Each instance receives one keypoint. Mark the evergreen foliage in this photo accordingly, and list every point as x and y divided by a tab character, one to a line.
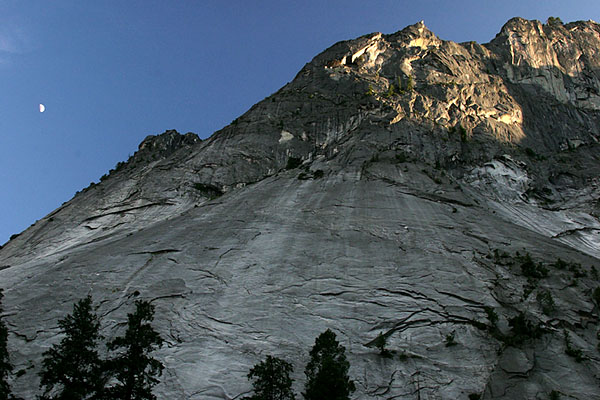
492	316
293	162
571	350
458	128
327	371
531	269
271	380
410	84
72	368
523	329
380	342
133	368
5	365
451	339
554	21
463	133
596	296
391	91
546	301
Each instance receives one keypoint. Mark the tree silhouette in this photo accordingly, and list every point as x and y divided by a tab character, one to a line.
72	368
327	371
5	365
134	369
380	342
271	380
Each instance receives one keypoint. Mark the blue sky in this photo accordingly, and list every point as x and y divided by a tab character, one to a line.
112	72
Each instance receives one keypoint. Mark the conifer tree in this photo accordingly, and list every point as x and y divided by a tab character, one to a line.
72	369
5	365
327	371
134	369
380	342
271	380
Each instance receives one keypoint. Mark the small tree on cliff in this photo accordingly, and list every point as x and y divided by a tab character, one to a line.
327	371
271	380
72	368
134	368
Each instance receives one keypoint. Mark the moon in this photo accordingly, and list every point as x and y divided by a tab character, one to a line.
42	108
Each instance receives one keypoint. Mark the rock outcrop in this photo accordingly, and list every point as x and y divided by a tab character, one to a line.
400	184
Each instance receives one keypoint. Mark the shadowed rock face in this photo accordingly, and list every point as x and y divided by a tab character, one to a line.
425	166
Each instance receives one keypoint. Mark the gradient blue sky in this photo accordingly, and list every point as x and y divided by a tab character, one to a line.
112	72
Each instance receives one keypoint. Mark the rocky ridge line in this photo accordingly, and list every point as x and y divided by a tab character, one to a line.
393	186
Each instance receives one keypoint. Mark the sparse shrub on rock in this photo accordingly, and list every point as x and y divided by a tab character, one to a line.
211	191
380	342
596	296
531	269
293	162
491	315
450	339
546	301
522	329
571	350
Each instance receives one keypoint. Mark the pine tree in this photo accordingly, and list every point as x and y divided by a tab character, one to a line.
380	342
134	369
5	365
272	380
327	371
72	368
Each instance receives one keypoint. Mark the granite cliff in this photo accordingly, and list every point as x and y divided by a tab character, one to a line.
400	184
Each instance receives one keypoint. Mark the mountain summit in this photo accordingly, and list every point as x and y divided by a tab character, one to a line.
443	194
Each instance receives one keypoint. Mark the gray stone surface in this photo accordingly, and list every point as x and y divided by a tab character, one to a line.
244	258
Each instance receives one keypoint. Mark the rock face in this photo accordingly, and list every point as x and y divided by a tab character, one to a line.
396	185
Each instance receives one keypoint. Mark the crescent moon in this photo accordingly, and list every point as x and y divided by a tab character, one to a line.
42	108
